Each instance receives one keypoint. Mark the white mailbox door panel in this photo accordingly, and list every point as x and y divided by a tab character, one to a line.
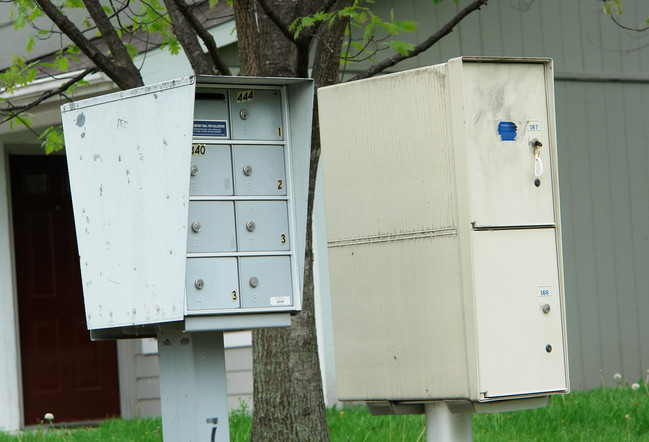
259	170
265	281
211	172
211	227
212	283
505	111
256	114
262	226
520	346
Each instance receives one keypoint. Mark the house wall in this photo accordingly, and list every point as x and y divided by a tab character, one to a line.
10	391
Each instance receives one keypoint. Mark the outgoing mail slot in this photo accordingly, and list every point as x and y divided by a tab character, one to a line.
256	114
211	171
212	283
259	170
265	281
211	119
211	227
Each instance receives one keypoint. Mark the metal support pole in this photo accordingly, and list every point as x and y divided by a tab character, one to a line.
444	426
193	389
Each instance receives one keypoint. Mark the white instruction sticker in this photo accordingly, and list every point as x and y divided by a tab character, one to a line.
280	300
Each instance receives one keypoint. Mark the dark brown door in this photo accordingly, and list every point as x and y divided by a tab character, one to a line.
63	372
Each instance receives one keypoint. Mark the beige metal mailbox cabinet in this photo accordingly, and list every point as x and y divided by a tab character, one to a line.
190	203
443	225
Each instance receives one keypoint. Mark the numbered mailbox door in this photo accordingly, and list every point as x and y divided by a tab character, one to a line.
211	227
508	144
266	281
211	170
262	226
256	114
212	283
211	119
259	170
518	310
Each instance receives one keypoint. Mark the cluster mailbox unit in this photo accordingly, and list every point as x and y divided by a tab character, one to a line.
442	202
190	202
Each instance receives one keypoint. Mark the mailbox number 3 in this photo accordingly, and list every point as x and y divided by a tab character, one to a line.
283	238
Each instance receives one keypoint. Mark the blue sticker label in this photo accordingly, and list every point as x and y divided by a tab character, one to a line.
507	130
211	128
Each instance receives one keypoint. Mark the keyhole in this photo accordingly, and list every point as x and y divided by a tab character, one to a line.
537	182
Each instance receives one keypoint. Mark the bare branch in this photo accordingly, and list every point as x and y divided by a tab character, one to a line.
628	28
278	22
207	38
131	76
102	61
442	32
13	111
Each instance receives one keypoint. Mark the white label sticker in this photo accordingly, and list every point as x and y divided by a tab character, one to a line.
544	291
534	126
280	300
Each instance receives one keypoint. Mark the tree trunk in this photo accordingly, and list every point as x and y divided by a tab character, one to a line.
288	396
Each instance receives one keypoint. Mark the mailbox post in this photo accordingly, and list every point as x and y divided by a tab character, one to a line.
443	224
190	202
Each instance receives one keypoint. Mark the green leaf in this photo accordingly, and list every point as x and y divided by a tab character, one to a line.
401	46
29	46
132	50
52	139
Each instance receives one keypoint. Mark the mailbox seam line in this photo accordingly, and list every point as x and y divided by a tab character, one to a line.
452	231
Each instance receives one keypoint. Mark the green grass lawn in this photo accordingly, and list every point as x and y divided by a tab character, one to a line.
599	415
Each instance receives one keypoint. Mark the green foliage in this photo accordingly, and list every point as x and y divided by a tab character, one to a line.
609	5
52	139
19	74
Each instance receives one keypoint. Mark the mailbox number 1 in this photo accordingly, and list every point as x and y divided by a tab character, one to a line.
198	149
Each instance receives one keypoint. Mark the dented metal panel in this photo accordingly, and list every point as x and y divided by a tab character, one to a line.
123	150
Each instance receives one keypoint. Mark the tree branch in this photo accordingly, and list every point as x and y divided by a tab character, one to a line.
13	111
207	38
131	76
442	32
270	13
102	61
188	39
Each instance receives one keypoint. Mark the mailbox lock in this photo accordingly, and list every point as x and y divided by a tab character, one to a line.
548	348
545	308
243	114
194	170
196	226
247	170
199	283
537	182
254	282
250	226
